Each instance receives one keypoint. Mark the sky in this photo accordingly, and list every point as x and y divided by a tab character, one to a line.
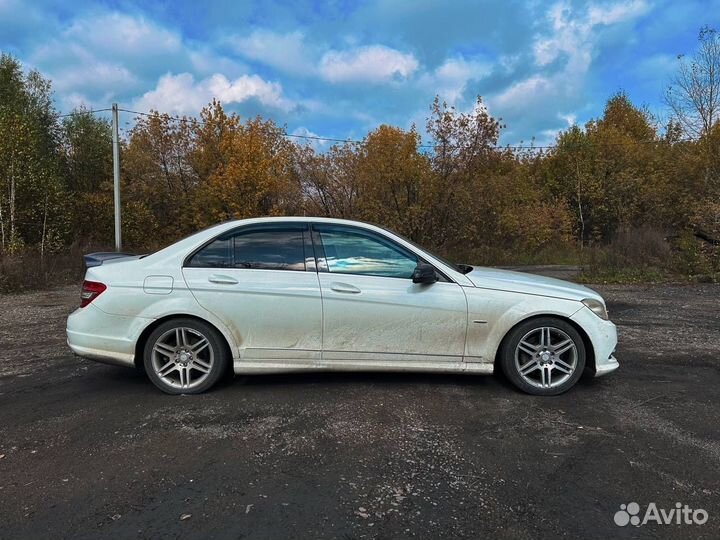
340	69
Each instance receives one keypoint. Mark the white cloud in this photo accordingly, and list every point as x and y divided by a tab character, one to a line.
286	52
535	88
75	100
86	72
616	13
563	57
451	78
131	36
316	144
100	57
373	64
181	94
533	68
572	36
570	119
103	56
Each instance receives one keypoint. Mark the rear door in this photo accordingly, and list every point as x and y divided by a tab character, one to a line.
373	312
261	281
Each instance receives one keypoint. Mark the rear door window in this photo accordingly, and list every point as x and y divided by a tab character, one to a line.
262	249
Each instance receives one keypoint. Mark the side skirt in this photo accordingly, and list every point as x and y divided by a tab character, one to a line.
247	367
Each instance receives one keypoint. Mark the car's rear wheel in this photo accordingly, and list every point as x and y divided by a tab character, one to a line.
543	356
185	356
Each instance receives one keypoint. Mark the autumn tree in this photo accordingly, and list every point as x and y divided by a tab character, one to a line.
85	151
329	180
32	209
395	182
602	172
160	174
248	167
85	154
467	186
623	140
529	218
450	187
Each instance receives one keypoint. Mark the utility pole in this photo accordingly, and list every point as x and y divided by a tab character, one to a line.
116	175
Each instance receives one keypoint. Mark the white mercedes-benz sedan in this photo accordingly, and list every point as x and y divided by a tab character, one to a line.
272	295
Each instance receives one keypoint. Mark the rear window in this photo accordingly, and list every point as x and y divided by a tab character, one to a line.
275	249
217	254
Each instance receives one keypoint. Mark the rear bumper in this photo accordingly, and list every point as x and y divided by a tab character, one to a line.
106	357
94	334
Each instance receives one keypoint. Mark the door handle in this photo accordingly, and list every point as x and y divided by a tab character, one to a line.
219	278
344	288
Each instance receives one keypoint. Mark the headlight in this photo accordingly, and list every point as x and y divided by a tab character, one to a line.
597	307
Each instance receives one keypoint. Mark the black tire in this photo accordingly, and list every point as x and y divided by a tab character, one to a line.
214	354
531	328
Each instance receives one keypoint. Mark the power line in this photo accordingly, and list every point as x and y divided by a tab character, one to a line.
422	145
309	137
360	141
200	122
82	113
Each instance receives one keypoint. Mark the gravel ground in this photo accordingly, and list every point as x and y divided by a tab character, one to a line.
88	450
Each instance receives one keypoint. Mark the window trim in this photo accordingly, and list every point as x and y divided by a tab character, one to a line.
301	226
322	265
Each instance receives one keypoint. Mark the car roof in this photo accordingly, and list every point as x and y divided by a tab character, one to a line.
270	219
181	248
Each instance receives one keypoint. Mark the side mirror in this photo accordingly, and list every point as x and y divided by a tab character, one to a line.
424	273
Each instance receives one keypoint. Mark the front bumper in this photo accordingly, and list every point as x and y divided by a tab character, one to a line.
610	365
603	336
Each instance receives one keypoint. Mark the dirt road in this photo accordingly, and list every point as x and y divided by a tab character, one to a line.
89	451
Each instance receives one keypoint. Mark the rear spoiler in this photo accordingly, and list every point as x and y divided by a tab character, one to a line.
96	259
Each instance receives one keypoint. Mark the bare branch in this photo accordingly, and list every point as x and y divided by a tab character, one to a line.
694	92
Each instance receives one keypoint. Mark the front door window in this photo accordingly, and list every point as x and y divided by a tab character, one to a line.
349	252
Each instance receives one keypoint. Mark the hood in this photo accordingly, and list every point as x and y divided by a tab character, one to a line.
507	280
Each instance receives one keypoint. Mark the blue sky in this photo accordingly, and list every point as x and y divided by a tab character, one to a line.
340	69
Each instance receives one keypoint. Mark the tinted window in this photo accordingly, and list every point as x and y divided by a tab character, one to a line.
217	254
357	253
270	250
274	249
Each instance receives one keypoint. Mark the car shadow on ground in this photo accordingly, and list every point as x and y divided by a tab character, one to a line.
138	380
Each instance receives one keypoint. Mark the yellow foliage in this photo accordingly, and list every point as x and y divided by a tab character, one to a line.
537	225
254	176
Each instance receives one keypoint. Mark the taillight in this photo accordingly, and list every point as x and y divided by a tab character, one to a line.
90	291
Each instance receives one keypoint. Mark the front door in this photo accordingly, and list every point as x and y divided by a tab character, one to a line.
372	309
261	281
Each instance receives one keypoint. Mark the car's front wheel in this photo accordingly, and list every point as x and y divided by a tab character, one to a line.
543	356
185	356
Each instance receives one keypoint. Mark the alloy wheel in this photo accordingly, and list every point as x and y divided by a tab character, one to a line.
546	357
182	358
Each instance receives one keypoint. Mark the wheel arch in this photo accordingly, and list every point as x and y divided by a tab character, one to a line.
589	349
142	339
